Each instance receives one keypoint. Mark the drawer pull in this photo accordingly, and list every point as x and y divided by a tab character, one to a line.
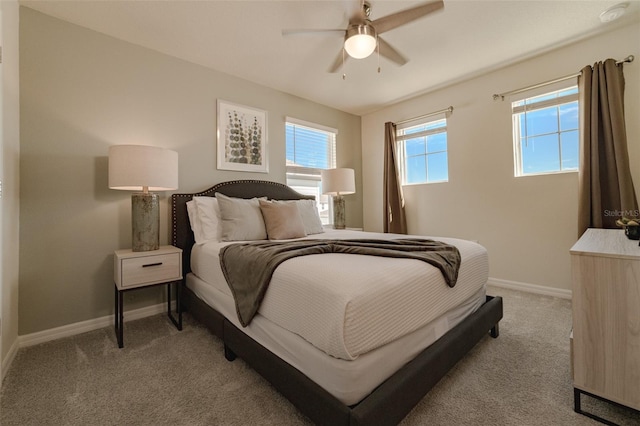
151	264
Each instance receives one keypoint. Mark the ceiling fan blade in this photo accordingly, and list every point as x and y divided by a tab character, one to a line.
390	53
311	31
338	62
395	20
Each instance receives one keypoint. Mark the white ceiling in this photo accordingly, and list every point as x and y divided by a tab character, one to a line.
243	38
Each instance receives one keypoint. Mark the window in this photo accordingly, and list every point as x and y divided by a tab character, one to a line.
310	148
545	133
422	149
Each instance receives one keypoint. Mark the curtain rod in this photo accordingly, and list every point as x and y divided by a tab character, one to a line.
431	114
501	96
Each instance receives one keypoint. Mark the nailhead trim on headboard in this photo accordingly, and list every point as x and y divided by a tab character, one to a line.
181	234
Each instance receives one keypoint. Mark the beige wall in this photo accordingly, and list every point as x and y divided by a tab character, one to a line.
10	157
82	92
527	224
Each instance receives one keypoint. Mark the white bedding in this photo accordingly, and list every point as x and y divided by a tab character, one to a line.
348	305
349	381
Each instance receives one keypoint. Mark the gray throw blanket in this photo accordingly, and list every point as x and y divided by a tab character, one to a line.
248	267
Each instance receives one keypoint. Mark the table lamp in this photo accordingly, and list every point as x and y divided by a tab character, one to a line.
338	182
143	168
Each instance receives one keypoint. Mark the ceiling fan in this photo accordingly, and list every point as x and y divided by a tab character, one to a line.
362	35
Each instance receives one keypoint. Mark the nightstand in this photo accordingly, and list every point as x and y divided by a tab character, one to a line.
136	269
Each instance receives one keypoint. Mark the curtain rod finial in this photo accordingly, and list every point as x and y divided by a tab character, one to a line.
496	97
628	59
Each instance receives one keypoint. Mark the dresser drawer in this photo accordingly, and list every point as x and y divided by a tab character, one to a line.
146	270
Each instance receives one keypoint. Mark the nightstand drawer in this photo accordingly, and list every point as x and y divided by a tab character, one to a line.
138	269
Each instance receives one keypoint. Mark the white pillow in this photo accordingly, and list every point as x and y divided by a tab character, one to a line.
310	216
192	211
209	219
241	219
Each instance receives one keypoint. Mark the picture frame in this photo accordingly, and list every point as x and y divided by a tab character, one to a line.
242	138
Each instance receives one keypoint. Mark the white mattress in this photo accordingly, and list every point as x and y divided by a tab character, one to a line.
348	305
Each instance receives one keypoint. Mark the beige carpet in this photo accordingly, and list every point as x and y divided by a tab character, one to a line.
166	377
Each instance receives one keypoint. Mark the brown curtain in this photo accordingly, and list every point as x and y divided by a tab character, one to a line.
606	190
394	217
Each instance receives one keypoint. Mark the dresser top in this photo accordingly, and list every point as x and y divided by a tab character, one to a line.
607	243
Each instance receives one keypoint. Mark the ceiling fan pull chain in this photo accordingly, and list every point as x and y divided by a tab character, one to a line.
344	74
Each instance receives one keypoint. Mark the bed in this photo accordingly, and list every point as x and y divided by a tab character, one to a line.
348	383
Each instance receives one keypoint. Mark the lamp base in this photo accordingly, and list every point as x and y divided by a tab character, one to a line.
145	221
338	212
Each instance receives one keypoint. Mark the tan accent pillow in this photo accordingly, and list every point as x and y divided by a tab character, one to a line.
282	220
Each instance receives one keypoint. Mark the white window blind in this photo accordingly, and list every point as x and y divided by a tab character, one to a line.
310	148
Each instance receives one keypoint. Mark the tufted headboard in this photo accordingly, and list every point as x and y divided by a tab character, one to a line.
181	233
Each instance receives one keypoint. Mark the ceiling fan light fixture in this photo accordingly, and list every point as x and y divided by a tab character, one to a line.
360	41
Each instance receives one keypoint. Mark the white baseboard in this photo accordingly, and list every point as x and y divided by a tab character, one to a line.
530	288
6	362
89	325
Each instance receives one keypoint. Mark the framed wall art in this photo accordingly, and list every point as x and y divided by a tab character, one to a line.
242	138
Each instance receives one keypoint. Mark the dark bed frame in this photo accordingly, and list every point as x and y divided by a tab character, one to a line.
392	400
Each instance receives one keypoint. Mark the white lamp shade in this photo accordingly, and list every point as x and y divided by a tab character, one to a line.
134	167
338	181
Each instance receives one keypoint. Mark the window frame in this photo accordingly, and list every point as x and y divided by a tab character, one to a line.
402	137
524	108
301	177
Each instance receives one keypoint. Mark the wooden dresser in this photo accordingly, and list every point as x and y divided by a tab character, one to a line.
605	268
